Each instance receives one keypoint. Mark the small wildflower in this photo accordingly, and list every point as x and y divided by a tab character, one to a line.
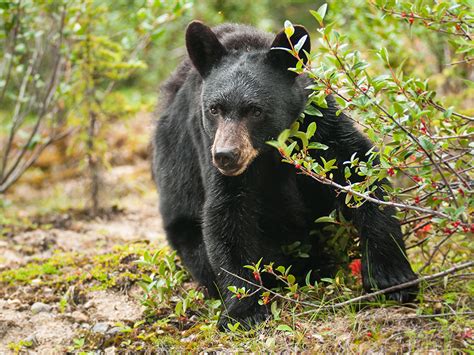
356	267
266	299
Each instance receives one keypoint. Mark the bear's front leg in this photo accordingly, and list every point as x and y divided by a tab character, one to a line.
384	261
231	236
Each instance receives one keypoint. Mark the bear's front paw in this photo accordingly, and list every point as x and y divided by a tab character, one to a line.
383	277
247	318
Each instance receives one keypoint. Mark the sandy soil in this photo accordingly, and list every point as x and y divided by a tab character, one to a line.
137	219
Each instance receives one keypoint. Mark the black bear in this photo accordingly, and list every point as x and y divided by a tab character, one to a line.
226	198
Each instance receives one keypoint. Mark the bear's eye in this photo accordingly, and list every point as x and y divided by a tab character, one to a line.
214	110
256	112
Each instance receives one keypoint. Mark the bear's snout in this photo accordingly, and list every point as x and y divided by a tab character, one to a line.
227	158
232	151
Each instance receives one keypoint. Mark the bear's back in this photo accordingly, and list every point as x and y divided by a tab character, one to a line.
234	37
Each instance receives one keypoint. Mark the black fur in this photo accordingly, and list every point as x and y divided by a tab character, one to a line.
218	222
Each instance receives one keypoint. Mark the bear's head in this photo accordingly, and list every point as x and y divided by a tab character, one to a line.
248	95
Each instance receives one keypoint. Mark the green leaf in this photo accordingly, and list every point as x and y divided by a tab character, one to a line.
319	15
317	145
300	43
322	10
289	29
283	137
288	150
304	139
310	130
325	219
313	111
284	328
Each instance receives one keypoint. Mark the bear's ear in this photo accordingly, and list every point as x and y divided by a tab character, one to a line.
204	49
282	59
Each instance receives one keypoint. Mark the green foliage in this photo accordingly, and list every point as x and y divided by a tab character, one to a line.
420	139
160	284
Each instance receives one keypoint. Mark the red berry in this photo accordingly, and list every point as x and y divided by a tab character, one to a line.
417	199
411	19
297	166
390	171
256	276
456	224
363	88
369	334
238	295
417	178
404	14
447	230
472	228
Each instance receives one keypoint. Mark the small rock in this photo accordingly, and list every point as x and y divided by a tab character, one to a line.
79	317
114	330
13	304
36	282
189	338
39	307
100	328
89	304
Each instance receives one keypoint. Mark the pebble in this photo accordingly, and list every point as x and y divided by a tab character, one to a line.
36	282
89	304
110	350
13	304
189	338
39	307
79	317
114	330
100	328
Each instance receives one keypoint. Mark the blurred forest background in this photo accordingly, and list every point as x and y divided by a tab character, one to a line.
79	81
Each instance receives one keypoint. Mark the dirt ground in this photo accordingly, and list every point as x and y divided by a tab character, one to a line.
51	330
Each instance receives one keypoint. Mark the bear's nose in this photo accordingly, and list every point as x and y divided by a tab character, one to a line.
226	158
